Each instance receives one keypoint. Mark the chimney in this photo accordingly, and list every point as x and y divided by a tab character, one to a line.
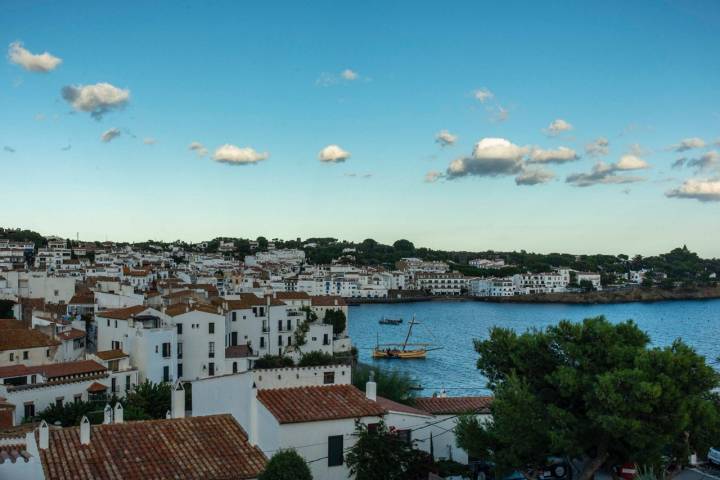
44	435
107	415
336	302
178	401
371	387
119	412
85	431
168	415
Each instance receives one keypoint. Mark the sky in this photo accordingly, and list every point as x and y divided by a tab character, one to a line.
581	127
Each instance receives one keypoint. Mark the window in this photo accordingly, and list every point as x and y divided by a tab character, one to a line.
108	322
12	357
211	349
262	342
33	379
289	340
279	340
115	323
25	355
233	338
328	378
326	339
234	367
59	402
211	328
404	435
335	450
127	383
166	374
166	350
279	325
179	350
234	316
211	369
113	385
180	370
179	328
289	325
29	410
47	353
114	365
115	345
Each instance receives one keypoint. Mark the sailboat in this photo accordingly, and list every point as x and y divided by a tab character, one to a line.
401	350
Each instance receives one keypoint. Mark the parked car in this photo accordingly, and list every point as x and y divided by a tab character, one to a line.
714	456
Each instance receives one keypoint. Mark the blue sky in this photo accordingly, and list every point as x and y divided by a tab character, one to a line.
268	76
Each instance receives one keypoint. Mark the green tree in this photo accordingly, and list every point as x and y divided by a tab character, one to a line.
316	358
586	285
300	335
381	454
392	384
151	398
273	361
592	390
286	465
337	319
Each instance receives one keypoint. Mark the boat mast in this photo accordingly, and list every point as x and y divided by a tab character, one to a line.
407	337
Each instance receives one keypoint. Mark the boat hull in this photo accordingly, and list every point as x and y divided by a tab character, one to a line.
400	354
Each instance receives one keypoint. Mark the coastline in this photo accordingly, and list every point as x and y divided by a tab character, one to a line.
603	297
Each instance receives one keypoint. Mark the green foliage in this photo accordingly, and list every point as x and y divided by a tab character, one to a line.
586	285
273	361
392	384
69	414
286	465
380	454
6	309
316	358
151	398
337	319
310	315
593	389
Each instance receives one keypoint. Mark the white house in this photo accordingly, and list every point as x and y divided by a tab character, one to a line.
200	340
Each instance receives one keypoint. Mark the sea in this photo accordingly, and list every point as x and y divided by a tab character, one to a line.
453	325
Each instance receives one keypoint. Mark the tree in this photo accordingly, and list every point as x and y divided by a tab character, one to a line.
151	398
300	335
586	286
273	361
592	390
316	358
337	319
286	465
6	309
381	454
392	384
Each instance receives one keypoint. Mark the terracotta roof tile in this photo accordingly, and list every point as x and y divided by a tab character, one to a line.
327	301
110	354
180	308
212	447
85	298
122	313
313	404
11	323
96	387
72	334
238	351
292	296
16	338
392	406
66	369
454	405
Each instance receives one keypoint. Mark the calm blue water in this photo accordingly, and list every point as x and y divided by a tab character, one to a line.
455	324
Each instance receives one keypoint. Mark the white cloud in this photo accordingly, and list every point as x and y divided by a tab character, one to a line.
198	148
706	162
43	62
96	99
432	176
349	75
534	177
109	135
149	141
491	157
631	162
688	144
445	138
607	173
559	155
698	189
333	154
238	155
598	147
483	95
557	127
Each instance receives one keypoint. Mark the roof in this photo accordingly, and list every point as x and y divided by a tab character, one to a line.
72	334
85	298
453	405
14	453
96	387
327	301
392	406
238	351
292	295
11	323
212	447
122	313
110	354
16	338
181	308
66	369
318	403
